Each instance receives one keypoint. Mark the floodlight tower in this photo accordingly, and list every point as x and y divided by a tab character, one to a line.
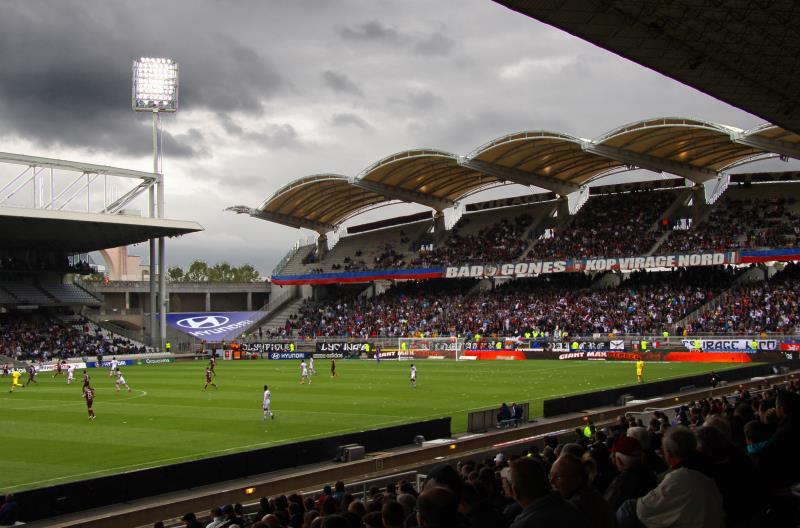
155	90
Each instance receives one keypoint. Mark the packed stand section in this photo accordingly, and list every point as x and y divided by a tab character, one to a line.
767	306
718	462
503	241
23	262
550	305
741	224
35	337
608	226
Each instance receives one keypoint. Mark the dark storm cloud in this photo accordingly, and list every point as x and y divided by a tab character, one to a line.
371	31
281	135
66	74
428	44
418	99
339	82
434	44
348	119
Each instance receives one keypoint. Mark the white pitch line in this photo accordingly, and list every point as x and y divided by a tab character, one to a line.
81	402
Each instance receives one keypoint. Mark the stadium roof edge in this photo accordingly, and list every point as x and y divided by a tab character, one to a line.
742	52
82	232
90	168
695	149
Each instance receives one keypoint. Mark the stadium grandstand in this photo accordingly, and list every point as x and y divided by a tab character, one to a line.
44	293
695	274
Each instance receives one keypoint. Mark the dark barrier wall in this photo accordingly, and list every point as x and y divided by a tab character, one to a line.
580	402
82	495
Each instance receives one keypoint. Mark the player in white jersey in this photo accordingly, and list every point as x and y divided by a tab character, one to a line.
304	373
267	410
120	380
70	373
114	365
413	376
311	366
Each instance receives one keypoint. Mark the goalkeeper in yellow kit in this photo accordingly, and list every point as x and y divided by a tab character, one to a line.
15	375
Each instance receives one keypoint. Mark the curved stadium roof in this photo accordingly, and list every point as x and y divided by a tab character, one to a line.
690	148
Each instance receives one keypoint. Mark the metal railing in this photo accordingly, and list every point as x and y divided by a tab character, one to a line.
714	189
275	303
303	242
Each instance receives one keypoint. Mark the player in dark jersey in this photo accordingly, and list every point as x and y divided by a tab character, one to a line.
333	368
6	369
31	375
59	367
85	379
88	395
210	379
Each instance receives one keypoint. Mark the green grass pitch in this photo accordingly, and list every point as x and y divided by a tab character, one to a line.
167	418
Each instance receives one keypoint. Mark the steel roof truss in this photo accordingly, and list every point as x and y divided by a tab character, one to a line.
404	195
652	163
521	177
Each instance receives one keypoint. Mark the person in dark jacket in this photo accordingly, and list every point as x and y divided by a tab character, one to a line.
634	479
540	505
8	511
570	476
191	520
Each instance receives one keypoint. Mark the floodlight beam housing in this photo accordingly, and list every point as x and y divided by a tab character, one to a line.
155	85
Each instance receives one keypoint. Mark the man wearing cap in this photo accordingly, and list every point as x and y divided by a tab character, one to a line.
634	479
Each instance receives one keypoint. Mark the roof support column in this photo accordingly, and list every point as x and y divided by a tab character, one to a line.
322	246
439	231
699	204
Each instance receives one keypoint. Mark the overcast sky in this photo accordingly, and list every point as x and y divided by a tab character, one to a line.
274	90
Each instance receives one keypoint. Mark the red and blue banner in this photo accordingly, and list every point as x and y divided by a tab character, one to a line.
359	276
749	256
533	268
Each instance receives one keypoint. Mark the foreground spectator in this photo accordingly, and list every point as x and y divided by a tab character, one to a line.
8	511
437	507
686	497
570	476
634	480
540	505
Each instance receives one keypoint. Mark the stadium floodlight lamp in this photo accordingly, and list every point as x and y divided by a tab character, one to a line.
155	85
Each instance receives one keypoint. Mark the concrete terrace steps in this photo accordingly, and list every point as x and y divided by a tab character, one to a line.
279	317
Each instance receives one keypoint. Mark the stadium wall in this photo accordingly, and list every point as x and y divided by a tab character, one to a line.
579	402
85	494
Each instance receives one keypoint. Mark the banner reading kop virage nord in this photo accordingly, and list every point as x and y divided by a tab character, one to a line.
531	268
212	326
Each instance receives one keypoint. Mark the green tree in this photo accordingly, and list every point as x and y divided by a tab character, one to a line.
197	272
246	273
175	274
200	271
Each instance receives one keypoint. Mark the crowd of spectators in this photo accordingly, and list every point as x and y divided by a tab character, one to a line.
740	224
616	225
717	462
608	226
558	304
33	337
768	306
503	241
35	262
